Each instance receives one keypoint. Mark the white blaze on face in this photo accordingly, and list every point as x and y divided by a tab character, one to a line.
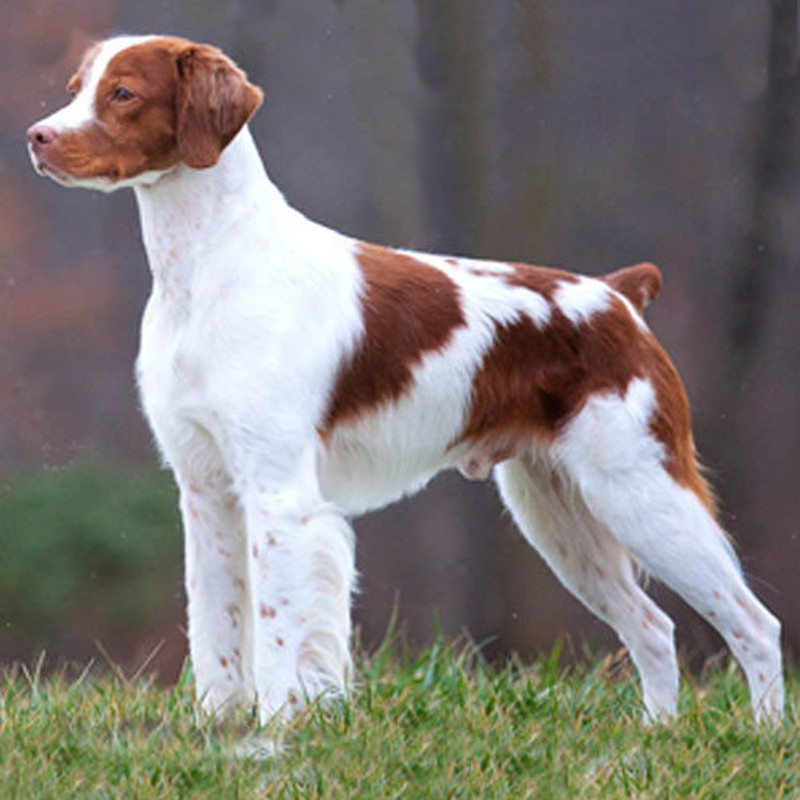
81	110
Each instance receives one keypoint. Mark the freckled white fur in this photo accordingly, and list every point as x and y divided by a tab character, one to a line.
253	310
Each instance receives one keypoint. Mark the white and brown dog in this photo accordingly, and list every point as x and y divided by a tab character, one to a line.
294	376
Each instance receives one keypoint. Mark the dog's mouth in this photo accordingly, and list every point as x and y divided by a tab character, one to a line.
59	177
46	169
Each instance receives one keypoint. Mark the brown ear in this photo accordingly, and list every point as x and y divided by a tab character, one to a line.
213	101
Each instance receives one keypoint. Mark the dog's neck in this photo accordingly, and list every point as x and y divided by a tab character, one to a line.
187	214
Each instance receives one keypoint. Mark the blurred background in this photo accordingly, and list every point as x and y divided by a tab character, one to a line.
576	134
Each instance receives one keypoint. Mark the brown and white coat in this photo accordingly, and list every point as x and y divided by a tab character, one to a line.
294	376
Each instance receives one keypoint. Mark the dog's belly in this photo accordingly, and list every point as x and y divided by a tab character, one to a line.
385	452
374	462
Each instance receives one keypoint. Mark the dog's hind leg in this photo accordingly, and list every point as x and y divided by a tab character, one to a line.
596	569
620	468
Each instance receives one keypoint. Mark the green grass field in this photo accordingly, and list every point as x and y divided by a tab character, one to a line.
440	726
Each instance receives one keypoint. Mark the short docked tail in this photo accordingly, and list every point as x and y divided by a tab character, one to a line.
640	283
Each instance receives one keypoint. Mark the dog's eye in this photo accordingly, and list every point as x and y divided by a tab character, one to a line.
122	95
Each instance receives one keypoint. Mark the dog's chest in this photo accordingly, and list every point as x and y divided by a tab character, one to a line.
174	371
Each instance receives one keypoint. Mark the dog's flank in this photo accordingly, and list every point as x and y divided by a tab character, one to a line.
293	376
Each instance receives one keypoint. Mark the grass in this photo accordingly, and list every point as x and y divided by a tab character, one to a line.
442	725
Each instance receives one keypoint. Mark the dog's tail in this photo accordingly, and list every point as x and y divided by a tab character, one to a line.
640	283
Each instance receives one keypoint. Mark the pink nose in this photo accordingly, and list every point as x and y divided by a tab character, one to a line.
41	135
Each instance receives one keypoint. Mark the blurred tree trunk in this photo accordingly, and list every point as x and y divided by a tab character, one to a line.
763	266
763	253
450	66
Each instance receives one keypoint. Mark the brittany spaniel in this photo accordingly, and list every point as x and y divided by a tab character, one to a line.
294	376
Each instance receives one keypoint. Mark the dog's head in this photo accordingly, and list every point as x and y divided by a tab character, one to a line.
140	106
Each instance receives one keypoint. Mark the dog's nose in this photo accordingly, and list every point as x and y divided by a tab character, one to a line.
41	135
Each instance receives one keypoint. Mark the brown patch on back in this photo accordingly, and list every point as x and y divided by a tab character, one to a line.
542	280
410	309
533	380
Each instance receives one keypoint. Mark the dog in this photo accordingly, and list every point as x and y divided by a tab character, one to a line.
294	377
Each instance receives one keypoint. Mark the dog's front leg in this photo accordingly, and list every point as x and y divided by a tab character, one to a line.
216	575
300	577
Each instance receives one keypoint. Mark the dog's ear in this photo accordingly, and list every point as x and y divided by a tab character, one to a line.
214	100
